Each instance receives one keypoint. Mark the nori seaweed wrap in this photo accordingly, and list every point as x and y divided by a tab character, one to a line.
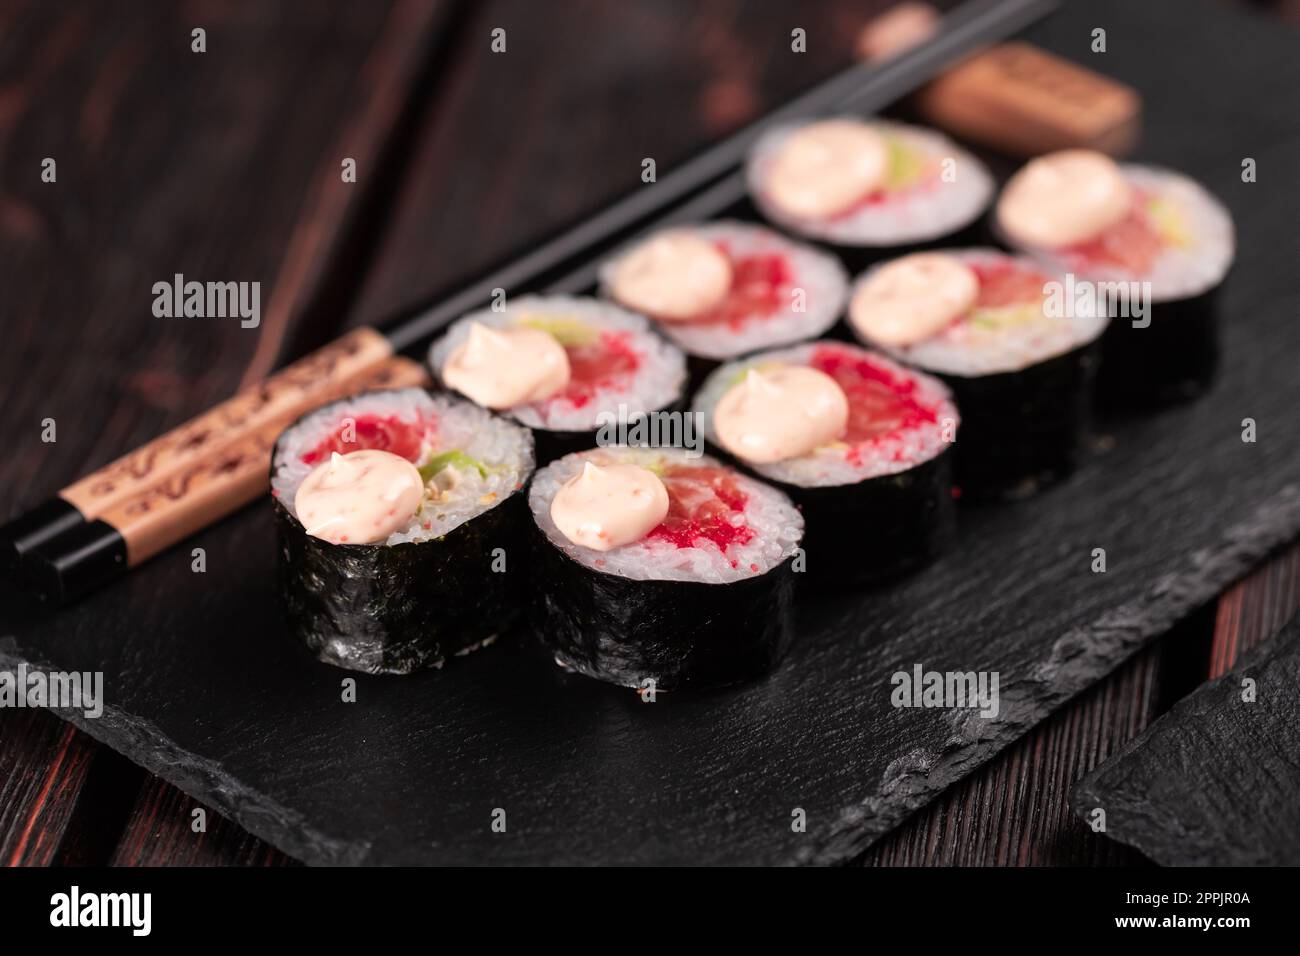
1019	360
1024	430
1154	248
449	579
704	599
1171	360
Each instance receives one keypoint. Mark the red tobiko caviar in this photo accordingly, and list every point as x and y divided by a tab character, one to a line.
1006	282
374	432
882	402
702	501
598	365
760	286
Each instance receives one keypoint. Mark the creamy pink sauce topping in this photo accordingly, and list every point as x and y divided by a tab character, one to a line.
607	506
826	168
675	277
1064	198
912	298
502	368
781	413
359	498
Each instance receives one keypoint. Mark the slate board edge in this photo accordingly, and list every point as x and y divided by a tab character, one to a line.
1092	790
204	780
1079	658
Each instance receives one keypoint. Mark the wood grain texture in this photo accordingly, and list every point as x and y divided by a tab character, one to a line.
160	832
1255	609
210	164
43	765
521	143
412	276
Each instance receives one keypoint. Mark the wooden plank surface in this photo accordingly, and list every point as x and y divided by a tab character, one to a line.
169	828
44	764
126	212
520	143
1255	610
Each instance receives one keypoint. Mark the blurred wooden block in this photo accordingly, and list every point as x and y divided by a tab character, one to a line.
1019	100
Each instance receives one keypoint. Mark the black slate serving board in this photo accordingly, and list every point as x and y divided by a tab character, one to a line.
1216	781
204	688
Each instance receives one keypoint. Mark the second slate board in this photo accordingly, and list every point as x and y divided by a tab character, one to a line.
1214	781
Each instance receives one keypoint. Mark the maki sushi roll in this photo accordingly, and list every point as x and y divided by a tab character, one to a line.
1151	244
401	525
860	443
662	566
869	185
562	366
723	289
1021	371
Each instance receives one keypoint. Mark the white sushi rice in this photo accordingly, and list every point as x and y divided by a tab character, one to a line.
968	351
820	276
834	464
777	525
657	382
919	214
456	494
1179	272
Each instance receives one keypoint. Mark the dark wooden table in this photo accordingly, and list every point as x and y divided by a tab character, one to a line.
225	164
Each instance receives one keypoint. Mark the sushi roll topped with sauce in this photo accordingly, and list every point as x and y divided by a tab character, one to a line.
968	312
870	183
663	514
558	364
437	461
826	413
996	329
662	565
1082	213
391	507
859	442
722	289
1151	243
